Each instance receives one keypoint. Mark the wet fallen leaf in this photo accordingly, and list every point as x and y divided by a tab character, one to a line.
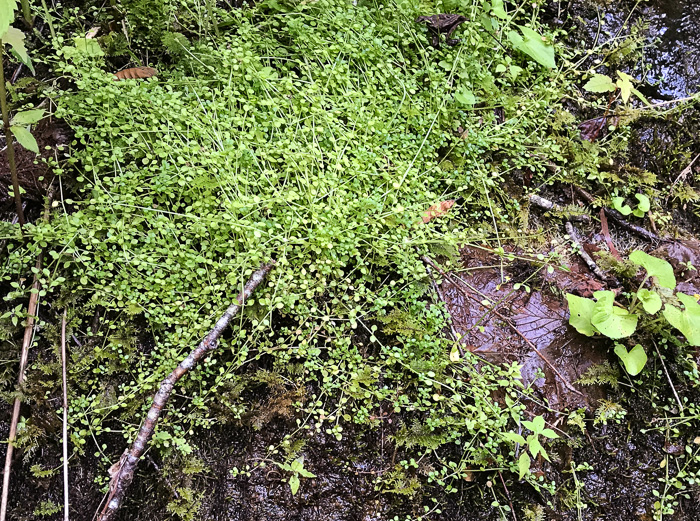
437	210
595	128
442	24
135	73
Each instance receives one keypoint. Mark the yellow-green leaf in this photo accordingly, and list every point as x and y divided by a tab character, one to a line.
25	138
599	83
27	117
7	15
15	38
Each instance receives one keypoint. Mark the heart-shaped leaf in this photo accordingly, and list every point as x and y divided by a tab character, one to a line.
634	360
655	267
686	321
580	314
619	205
612	321
651	302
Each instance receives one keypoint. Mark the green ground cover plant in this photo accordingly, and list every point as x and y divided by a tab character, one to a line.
314	134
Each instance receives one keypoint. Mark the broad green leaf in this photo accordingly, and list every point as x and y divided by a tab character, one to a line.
27	117
305	473
514	437
625	84
644	203
297	464
534	45
88	47
686	321
643	206
599	83
294	483
25	138
498	10
465	97
549	433
651	302
619	205
536	447
580	314
655	267
15	38
610	320
634	360
641	97
7	15
523	464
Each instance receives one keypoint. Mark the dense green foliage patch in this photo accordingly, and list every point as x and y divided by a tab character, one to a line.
314	134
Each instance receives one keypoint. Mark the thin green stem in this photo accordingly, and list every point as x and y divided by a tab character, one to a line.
49	19
26	12
9	138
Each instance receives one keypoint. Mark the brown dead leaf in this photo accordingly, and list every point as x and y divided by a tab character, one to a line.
593	129
437	210
135	73
606	235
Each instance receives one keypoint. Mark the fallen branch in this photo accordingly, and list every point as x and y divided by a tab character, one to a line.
621	221
587	258
122	472
24	356
551	206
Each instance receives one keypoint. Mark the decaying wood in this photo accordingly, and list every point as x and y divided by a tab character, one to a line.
621	221
122	472
573	235
135	73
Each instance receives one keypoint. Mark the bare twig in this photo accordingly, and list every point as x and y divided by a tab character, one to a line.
506	321
673	388
24	356
448	317
606	235
582	253
546	204
621	221
510	502
66	503
122	472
